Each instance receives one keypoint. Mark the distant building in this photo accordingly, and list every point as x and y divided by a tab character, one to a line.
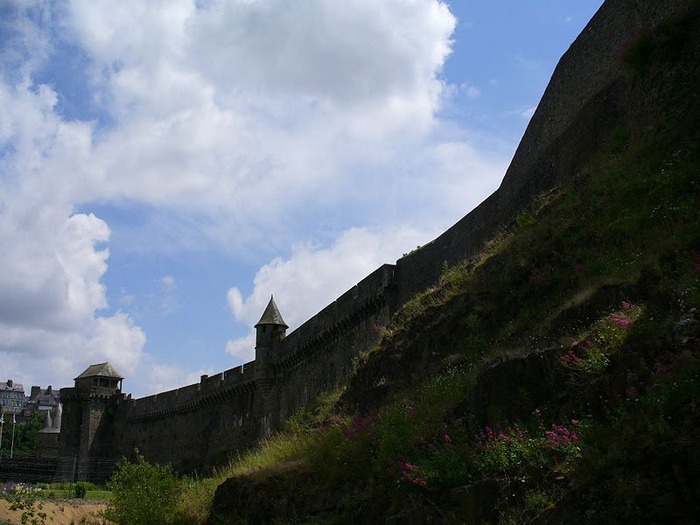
48	404
12	397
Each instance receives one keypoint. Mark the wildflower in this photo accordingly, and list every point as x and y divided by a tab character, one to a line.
536	275
626	305
620	320
580	268
447	439
660	369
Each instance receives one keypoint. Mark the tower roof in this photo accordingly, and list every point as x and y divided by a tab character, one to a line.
271	315
100	370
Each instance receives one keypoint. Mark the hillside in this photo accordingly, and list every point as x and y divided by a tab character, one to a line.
554	377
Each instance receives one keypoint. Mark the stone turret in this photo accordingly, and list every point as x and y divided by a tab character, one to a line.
269	331
86	422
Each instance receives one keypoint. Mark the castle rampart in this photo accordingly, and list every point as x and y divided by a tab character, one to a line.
201	425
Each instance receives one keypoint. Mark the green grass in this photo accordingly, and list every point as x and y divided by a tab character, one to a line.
70	494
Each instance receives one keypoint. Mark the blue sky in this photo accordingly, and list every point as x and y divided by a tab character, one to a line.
167	165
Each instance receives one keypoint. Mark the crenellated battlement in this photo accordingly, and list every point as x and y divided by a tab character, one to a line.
210	388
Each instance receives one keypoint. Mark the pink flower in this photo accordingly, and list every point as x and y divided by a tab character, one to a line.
620	320
660	369
580	268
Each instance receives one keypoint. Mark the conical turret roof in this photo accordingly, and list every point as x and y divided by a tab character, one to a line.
271	315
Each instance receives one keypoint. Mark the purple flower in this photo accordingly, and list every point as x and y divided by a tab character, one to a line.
620	320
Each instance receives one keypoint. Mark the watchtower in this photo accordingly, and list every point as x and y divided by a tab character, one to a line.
87	421
269	331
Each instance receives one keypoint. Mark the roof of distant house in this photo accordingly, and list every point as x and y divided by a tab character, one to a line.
100	370
11	385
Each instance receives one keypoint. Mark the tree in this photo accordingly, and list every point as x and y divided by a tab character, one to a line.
25	435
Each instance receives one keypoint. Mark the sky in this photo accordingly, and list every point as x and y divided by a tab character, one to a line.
167	165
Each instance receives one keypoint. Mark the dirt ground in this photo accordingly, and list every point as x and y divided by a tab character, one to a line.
61	512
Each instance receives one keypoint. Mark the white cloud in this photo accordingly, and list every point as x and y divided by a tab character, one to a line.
359	53
527	114
116	339
50	294
53	259
161	378
470	90
241	120
168	282
168	300
244	347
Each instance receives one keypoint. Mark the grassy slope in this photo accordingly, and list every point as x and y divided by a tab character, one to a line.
553	378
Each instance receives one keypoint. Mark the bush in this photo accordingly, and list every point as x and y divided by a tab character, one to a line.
80	490
143	494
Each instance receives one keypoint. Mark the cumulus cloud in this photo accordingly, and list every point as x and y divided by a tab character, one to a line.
244	111
162	377
53	259
242	348
365	55
50	296
237	121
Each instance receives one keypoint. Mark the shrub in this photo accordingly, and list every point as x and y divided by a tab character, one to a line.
143	494
80	490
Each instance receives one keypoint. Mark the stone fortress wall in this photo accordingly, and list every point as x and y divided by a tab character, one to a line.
201	425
